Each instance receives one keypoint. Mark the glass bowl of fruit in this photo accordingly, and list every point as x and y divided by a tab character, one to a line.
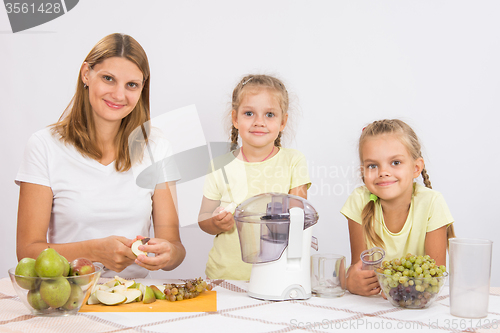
411	282
51	286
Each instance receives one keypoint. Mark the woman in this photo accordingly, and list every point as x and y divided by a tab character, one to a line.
78	192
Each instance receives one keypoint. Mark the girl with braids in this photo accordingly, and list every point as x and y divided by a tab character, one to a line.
259	113
392	211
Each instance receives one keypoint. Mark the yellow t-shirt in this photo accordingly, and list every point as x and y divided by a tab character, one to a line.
428	212
284	171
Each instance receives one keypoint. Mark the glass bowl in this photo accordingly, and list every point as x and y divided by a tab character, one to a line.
61	296
411	292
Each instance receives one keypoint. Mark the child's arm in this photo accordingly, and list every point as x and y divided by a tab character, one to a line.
361	282
300	191
213	219
435	245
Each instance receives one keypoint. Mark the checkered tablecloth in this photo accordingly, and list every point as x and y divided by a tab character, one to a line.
236	312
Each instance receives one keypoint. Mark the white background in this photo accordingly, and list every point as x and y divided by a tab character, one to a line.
433	64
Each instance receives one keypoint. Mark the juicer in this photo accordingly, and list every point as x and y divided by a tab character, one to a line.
275	232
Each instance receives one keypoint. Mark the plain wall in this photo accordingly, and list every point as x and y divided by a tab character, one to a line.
433	64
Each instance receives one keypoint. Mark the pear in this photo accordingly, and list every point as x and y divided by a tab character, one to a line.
158	293
129	284
66	266
149	296
26	267
75	298
36	300
108	298
55	292
49	264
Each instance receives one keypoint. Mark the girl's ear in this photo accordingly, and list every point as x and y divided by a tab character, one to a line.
234	118
283	122
419	166
85	70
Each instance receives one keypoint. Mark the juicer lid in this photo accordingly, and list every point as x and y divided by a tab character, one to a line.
274	207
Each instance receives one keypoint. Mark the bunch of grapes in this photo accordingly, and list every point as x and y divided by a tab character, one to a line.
412	281
191	289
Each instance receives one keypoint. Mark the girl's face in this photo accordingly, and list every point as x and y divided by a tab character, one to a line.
259	118
114	86
388	168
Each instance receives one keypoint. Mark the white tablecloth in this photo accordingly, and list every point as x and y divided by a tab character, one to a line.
236	312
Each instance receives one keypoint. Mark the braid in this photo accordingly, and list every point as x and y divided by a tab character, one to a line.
277	142
425	176
234	138
368	221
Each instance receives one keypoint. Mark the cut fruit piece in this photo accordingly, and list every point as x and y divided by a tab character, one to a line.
142	288
117	288
158	293
108	298
149	296
92	300
131	294
129	284
161	287
112	283
136	244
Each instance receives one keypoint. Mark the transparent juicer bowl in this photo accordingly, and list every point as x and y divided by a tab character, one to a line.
263	225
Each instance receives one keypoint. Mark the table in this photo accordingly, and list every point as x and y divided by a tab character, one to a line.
236	312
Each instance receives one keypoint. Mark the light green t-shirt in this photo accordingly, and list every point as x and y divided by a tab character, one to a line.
284	171
428	212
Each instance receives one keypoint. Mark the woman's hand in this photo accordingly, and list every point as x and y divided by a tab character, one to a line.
362	282
162	250
113	252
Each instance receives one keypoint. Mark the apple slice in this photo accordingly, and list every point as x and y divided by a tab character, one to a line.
108	298
112	283
142	288
148	296
161	287
129	283
92	300
137	243
131	294
119	287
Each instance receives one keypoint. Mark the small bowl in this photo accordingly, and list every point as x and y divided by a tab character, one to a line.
414	293
30	289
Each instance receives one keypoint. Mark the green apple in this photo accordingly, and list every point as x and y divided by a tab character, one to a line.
75	298
55	292
149	296
49	264
26	267
36	301
158	293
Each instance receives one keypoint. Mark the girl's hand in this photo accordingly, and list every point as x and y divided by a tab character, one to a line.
162	250
222	219
113	252
362	282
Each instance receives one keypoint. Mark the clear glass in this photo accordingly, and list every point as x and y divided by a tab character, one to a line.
263	224
328	277
31	295
470	272
372	258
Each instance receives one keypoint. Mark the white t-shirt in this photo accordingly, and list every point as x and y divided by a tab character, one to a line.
91	200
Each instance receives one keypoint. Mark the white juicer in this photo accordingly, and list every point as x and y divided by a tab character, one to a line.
275	236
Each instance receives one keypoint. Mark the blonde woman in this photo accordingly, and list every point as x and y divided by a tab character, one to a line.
78	193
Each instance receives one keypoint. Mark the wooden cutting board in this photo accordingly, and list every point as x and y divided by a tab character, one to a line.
205	302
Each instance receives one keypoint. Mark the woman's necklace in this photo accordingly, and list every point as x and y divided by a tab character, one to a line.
246	159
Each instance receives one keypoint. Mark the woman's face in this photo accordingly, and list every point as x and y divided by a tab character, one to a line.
114	86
